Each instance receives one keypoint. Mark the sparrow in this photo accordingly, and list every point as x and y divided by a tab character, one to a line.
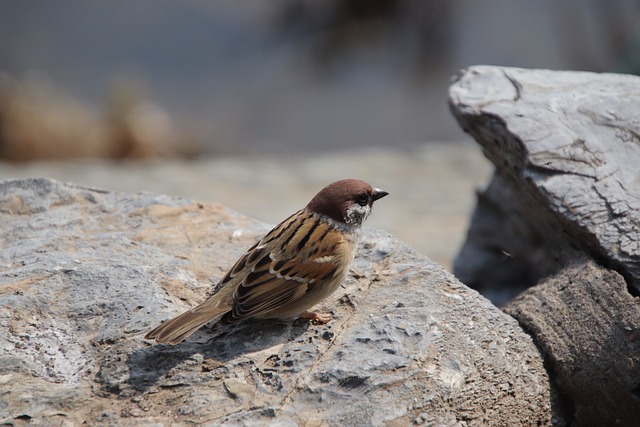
299	263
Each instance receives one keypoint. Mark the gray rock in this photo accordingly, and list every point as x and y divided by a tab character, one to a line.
507	249
564	208
588	328
86	272
569	144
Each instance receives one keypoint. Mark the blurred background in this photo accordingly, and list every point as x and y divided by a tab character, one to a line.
259	104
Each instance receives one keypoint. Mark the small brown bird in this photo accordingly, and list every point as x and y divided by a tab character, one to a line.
299	263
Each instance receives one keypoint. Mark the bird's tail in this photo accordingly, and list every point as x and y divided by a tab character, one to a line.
176	330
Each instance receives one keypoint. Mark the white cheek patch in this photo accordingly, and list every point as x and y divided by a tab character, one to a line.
356	214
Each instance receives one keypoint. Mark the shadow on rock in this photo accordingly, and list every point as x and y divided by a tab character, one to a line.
174	366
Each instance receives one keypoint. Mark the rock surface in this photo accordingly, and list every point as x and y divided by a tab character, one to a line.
569	144
507	250
564	208
84	273
588	327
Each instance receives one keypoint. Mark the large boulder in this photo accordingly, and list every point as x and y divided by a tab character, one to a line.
562	211
588	327
86	272
566	145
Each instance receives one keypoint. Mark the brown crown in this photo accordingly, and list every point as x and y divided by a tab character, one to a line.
334	199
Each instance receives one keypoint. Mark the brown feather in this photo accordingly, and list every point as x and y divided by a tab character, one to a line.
293	270
179	328
296	265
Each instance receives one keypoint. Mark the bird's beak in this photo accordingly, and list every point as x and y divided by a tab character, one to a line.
378	194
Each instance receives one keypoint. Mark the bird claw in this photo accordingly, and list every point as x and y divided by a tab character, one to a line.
315	318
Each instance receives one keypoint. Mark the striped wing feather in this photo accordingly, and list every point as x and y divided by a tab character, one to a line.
280	275
278	272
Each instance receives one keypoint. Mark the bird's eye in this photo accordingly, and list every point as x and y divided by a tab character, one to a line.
362	199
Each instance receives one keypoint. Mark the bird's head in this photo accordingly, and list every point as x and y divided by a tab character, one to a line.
348	201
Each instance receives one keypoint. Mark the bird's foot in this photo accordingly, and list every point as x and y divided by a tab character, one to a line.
315	318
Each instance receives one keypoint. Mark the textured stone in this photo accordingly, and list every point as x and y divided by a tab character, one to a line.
588	327
84	273
569	144
563	208
507	249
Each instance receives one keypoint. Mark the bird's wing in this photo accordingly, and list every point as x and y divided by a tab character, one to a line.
295	257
